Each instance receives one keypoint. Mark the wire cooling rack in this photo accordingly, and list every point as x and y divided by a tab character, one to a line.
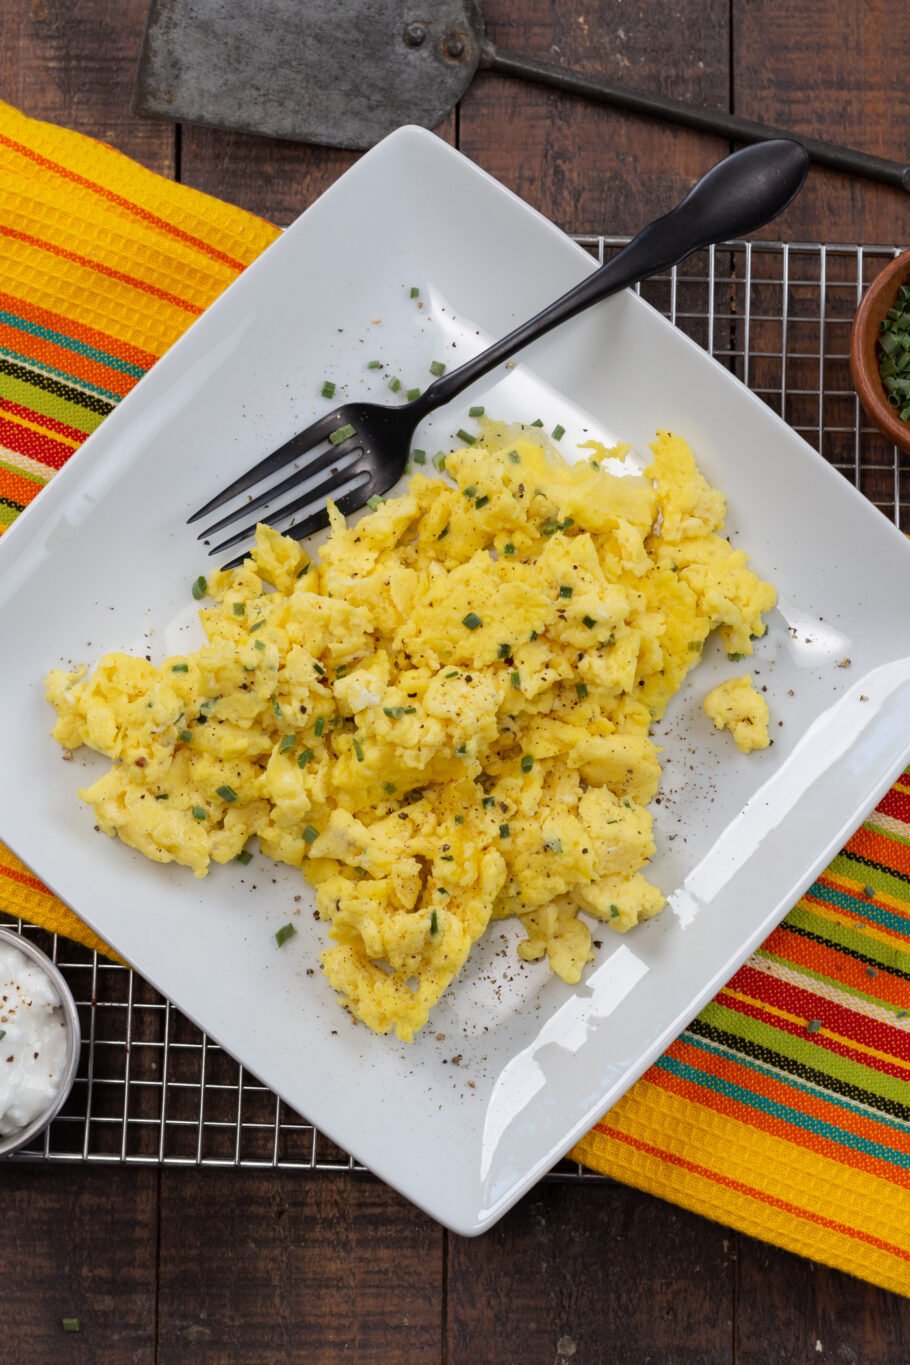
152	1089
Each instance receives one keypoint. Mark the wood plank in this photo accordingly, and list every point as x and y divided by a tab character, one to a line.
78	1243
590	168
830	69
284	1265
591	1273
789	1309
74	65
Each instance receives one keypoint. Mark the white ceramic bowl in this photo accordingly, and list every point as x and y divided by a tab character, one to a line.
24	1136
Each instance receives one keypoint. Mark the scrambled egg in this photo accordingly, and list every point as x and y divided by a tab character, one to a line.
445	721
736	706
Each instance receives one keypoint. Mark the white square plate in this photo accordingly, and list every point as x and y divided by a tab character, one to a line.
103	561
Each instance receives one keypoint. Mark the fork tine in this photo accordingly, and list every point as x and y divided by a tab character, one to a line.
331	456
297	445
318	521
321	490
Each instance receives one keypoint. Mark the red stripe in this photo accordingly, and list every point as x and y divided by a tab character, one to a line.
101	269
26	442
859	1028
896	803
76	331
17	409
670	1159
23	877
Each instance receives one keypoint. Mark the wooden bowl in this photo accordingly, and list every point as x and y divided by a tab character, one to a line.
867	381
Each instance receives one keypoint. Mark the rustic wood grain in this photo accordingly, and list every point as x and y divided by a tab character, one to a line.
592	1275
80	1243
590	168
74	65
832	69
287	1266
791	1311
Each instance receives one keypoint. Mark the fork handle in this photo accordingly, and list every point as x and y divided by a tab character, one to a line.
738	195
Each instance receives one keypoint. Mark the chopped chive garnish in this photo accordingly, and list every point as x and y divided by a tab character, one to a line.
869	891
437	368
481	502
244	856
581	689
388	787
553	844
226	793
515	678
277	709
589	622
461	751
735	658
814	1026
412	394
260	624
470	491
459	819
394	384
434	923
694	646
259	644
472	620
319	726
439	460
374	364
614	911
514	457
503	651
200	588
558	432
310	835
393	712
452	673
238	609
318	668
287	742
301	573
284	933
304	758
185	736
443	533
419	456
508	549
533	635
161	796
475	412
358	750
503	831
328	389
374	502
341	670
70	1324
415	292
465	436
341	434
565	590
487	802
527	762
199	813
180	668
538	422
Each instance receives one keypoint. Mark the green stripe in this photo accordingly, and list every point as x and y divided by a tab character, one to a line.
49	385
822	1079
848	941
24	473
884	878
837	982
49	404
794	1046
9	511
80	385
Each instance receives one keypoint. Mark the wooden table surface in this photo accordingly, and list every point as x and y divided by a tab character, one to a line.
185	1265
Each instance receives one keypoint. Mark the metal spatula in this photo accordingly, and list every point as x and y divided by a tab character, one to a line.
347	72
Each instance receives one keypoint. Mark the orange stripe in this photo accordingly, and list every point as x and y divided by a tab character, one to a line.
171	228
902	1253
778	1128
773	1088
57	322
23	877
61	358
20	490
837	967
880	849
101	269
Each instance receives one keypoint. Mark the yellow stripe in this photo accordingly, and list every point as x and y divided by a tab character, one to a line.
828	1033
763	1162
15	418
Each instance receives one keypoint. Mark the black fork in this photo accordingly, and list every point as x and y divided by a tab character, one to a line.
740	194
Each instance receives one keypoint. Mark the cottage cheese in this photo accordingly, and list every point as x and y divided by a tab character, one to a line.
32	1041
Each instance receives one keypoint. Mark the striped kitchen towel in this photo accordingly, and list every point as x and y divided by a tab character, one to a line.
784	1109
